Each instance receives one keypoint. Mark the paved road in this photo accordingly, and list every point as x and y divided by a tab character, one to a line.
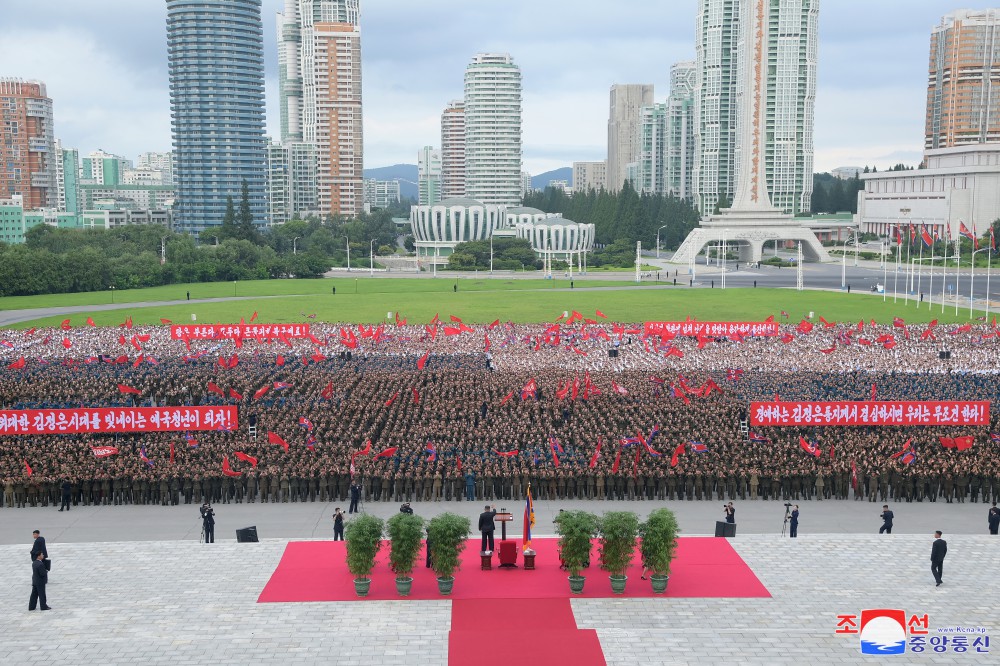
313	520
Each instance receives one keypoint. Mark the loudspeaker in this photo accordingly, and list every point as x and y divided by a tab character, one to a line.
247	535
945	354
724	529
348	356
252	420
612	353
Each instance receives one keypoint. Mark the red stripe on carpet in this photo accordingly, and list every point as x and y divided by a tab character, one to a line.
316	571
544	631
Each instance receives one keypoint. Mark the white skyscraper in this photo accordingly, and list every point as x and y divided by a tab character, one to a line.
429	176
589	176
625	130
493	129
679	160
790	33
453	150
319	58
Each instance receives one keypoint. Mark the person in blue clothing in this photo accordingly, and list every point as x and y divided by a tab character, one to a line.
793	525
886	520
470	487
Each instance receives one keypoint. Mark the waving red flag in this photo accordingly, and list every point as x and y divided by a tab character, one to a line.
494	324
234	395
457	320
416	396
274	438
618	460
261	391
679	451
104	451
769	320
422	361
507	454
253	317
27	468
363	452
388	403
810	447
486	344
279	360
125	388
18	364
227	470
66	343
804	327
65	325
387	453
963	443
906	447
246	458
597	455
507	397
600	314
165	321
214	388
328	391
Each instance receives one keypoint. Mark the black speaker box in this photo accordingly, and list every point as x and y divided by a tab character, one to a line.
247	535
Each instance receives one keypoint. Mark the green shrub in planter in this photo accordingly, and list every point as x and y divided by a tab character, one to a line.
659	546
576	529
617	534
447	534
363	536
406	532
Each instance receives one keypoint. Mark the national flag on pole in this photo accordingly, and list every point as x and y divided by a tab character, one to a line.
926	237
305	423
274	438
422	361
964	231
530	390
909	457
529	520
993	241
906	447
994	437
214	388
734	374
698	447
597	455
810	447
679	451
104	451
431	451
311	443
191	441
281	385
143	457
758	438
27	468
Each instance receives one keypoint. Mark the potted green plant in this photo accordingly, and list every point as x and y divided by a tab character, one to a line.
447	534
576	529
617	533
405	534
363	536
659	546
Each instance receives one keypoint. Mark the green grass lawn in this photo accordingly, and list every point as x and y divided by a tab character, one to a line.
479	301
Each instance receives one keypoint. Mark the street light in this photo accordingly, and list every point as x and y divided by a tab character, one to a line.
491	252
294	241
658	240
371	259
348	254
724	253
112	288
163	249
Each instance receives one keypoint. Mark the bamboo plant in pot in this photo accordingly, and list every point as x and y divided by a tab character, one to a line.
363	536
405	534
576	529
447	534
617	534
659	546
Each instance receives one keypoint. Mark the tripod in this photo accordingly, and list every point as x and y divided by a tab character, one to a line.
202	538
788	515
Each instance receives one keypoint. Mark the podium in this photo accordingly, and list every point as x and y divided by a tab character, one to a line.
503	517
508	555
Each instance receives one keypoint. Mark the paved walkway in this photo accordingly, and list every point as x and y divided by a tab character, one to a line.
181	602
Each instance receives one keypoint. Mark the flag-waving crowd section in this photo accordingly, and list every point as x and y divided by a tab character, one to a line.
451	411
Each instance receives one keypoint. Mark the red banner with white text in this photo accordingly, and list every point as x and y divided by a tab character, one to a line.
868	413
244	331
721	328
116	419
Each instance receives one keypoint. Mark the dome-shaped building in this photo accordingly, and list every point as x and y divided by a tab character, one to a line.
555	237
439	227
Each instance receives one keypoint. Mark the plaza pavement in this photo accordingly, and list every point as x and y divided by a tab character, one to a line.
132	585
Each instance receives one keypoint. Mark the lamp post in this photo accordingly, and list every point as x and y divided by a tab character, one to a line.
163	250
658	240
371	259
294	247
348	254
112	288
491	252
724	253
972	279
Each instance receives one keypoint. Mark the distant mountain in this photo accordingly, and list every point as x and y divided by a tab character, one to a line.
400	172
541	181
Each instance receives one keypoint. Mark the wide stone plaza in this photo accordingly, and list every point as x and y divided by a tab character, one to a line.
133	585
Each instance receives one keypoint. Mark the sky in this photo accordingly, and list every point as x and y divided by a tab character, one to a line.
105	67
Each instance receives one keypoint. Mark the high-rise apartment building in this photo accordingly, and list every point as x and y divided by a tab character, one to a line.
319	58
453	150
625	130
279	183
650	168
679	160
963	91
381	193
162	162
429	177
27	144
493	129
791	38
102	168
215	51
589	176
68	179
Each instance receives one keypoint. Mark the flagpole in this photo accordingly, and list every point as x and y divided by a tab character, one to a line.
944	272
909	248
920	266
989	266
895	279
958	265
930	284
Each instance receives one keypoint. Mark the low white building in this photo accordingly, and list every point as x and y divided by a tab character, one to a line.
555	237
438	228
958	185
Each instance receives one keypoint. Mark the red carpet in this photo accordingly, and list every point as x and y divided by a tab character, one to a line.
543	630
315	571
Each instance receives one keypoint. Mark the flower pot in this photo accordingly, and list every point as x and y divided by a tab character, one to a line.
659	583
445	585
361	586
618	584
576	584
403	585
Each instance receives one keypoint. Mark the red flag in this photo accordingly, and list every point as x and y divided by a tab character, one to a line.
679	451
227	470
963	443
830	350
27	468
261	391
618	459
246	458
787	337
457	320
422	361
831	451
279	360
66	343
600	314
30	332
104	451
854	475
165	321
90	321
486	344
328	391
253	317
18	364
388	403
171	453
597	455
214	388
804	327
507	397
387	453
234	360
416	396
65	325
906	447
769	320
125	388
494	324
861	325
947	442
273	438
873	392
234	395
810	447
318	358
898	323
458	464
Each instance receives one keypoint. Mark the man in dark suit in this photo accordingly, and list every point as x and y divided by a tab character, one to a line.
355	497
886	520
67	494
39	577
793	525
39	547
993	518
487	527
208	522
938	551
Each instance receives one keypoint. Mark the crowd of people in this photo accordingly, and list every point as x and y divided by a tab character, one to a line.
463	412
